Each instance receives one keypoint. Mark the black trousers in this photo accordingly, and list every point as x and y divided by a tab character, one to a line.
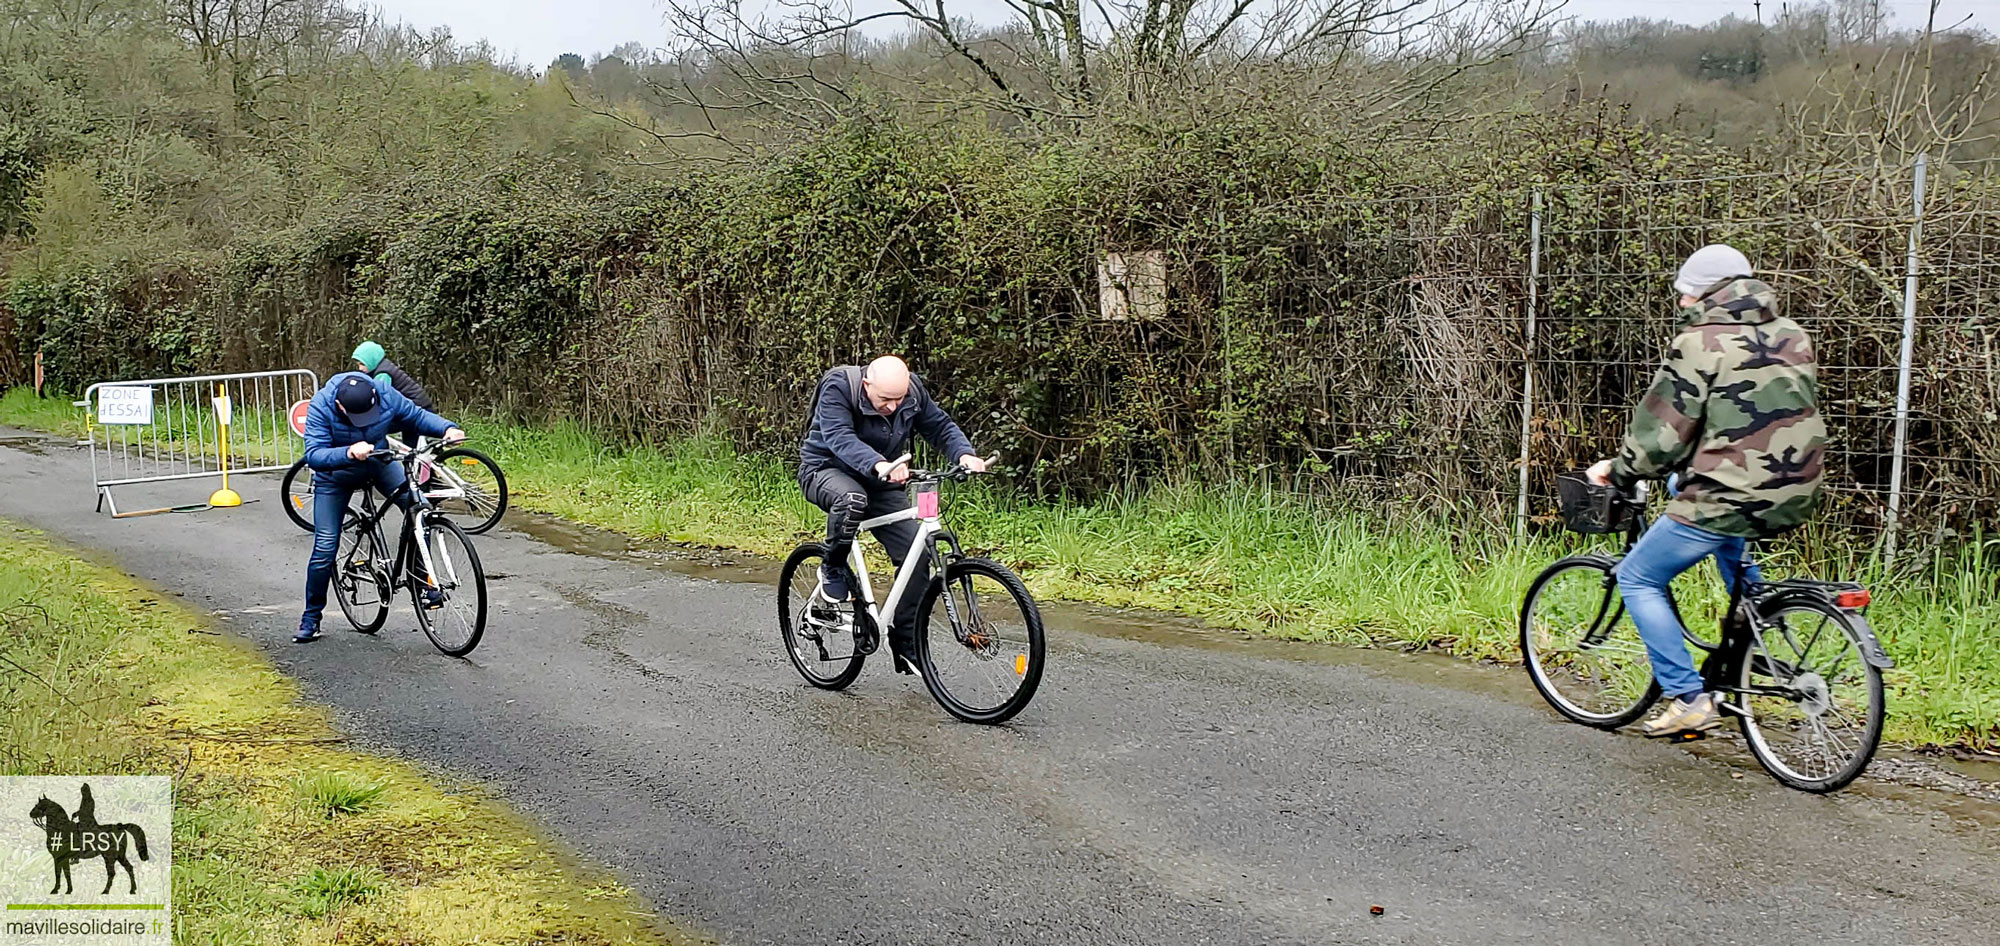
848	500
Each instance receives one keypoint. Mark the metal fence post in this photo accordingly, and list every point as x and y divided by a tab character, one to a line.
1228	343
1528	360
1904	359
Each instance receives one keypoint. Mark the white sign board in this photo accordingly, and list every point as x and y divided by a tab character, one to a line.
222	410
1132	284
117	405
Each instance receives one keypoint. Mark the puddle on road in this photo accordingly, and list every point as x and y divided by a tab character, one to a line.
1966	790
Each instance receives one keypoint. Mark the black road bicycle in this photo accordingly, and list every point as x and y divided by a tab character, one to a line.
1797	663
433	554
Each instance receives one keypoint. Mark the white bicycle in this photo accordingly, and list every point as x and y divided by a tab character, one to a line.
980	650
461	482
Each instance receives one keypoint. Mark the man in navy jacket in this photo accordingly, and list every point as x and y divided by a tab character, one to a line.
863	418
348	421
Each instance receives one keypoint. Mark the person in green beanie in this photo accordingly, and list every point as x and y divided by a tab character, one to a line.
374	361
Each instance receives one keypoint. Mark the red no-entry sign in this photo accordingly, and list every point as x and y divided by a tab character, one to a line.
299	417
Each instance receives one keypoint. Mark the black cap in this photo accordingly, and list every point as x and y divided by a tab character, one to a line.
358	398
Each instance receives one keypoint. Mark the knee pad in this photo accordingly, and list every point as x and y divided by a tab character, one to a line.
845	513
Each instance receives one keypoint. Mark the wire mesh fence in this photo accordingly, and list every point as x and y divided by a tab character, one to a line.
1466	348
1829	240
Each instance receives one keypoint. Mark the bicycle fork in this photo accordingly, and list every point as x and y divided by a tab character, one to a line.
963	626
420	555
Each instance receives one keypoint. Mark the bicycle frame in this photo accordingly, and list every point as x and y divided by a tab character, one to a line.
1740	622
929	529
371	520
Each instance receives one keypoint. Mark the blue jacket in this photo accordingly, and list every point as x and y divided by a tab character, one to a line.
847	431
328	434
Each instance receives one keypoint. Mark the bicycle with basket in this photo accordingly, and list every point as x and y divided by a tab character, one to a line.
1797	662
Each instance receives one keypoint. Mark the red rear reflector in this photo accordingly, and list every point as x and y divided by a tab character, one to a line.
1852	599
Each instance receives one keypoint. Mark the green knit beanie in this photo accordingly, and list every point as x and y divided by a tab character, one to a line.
369	354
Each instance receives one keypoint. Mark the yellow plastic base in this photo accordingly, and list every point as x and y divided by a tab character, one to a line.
225	497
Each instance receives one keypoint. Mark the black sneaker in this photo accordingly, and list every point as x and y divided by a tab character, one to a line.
307	634
833	583
433	599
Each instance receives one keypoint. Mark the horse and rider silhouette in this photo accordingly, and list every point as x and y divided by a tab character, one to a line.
82	838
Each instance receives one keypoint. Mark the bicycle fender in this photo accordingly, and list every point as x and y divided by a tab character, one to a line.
1607	562
1864	632
1871	647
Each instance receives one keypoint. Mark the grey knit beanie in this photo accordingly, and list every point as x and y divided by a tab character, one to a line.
1710	265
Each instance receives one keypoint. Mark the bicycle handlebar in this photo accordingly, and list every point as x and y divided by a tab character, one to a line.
956	471
396	450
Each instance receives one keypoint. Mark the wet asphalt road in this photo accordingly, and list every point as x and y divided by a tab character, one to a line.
1167	787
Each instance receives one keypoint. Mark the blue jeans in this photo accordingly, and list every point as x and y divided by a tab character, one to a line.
330	494
1668	548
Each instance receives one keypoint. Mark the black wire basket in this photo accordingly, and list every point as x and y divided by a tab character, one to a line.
1593	509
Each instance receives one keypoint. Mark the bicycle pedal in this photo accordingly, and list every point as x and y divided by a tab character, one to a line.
1690	736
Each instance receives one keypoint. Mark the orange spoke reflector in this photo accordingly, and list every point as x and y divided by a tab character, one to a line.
1020	665
1852	599
468	461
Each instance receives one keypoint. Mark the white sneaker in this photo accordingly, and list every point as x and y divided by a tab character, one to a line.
1684	716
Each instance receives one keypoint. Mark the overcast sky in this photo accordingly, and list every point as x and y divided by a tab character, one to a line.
536	31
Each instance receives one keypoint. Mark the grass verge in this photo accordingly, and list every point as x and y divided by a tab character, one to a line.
1240	558
281	834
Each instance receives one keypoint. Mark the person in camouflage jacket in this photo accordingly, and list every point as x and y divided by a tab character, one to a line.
1733	413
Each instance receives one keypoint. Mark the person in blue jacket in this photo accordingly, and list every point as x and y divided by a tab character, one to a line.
348	421
863	417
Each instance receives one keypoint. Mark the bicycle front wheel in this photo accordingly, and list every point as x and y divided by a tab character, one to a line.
456	624
358	582
1580	649
298	495
982	649
475	491
1813	704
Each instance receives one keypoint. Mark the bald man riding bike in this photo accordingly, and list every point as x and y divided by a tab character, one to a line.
863	417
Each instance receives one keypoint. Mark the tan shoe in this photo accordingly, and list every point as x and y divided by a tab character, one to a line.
1683	717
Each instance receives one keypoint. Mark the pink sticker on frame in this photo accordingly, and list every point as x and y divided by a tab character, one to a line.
927	505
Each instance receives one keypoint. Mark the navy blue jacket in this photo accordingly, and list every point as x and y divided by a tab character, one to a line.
328	433
405	385
848	432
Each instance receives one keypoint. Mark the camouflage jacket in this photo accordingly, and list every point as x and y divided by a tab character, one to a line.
1734	409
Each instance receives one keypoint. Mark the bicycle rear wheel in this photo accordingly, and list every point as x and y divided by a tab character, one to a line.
455	626
298	495
1813	704
982	649
819	636
482	487
358	582
1580	650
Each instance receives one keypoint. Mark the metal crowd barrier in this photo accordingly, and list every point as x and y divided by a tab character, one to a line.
158	430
